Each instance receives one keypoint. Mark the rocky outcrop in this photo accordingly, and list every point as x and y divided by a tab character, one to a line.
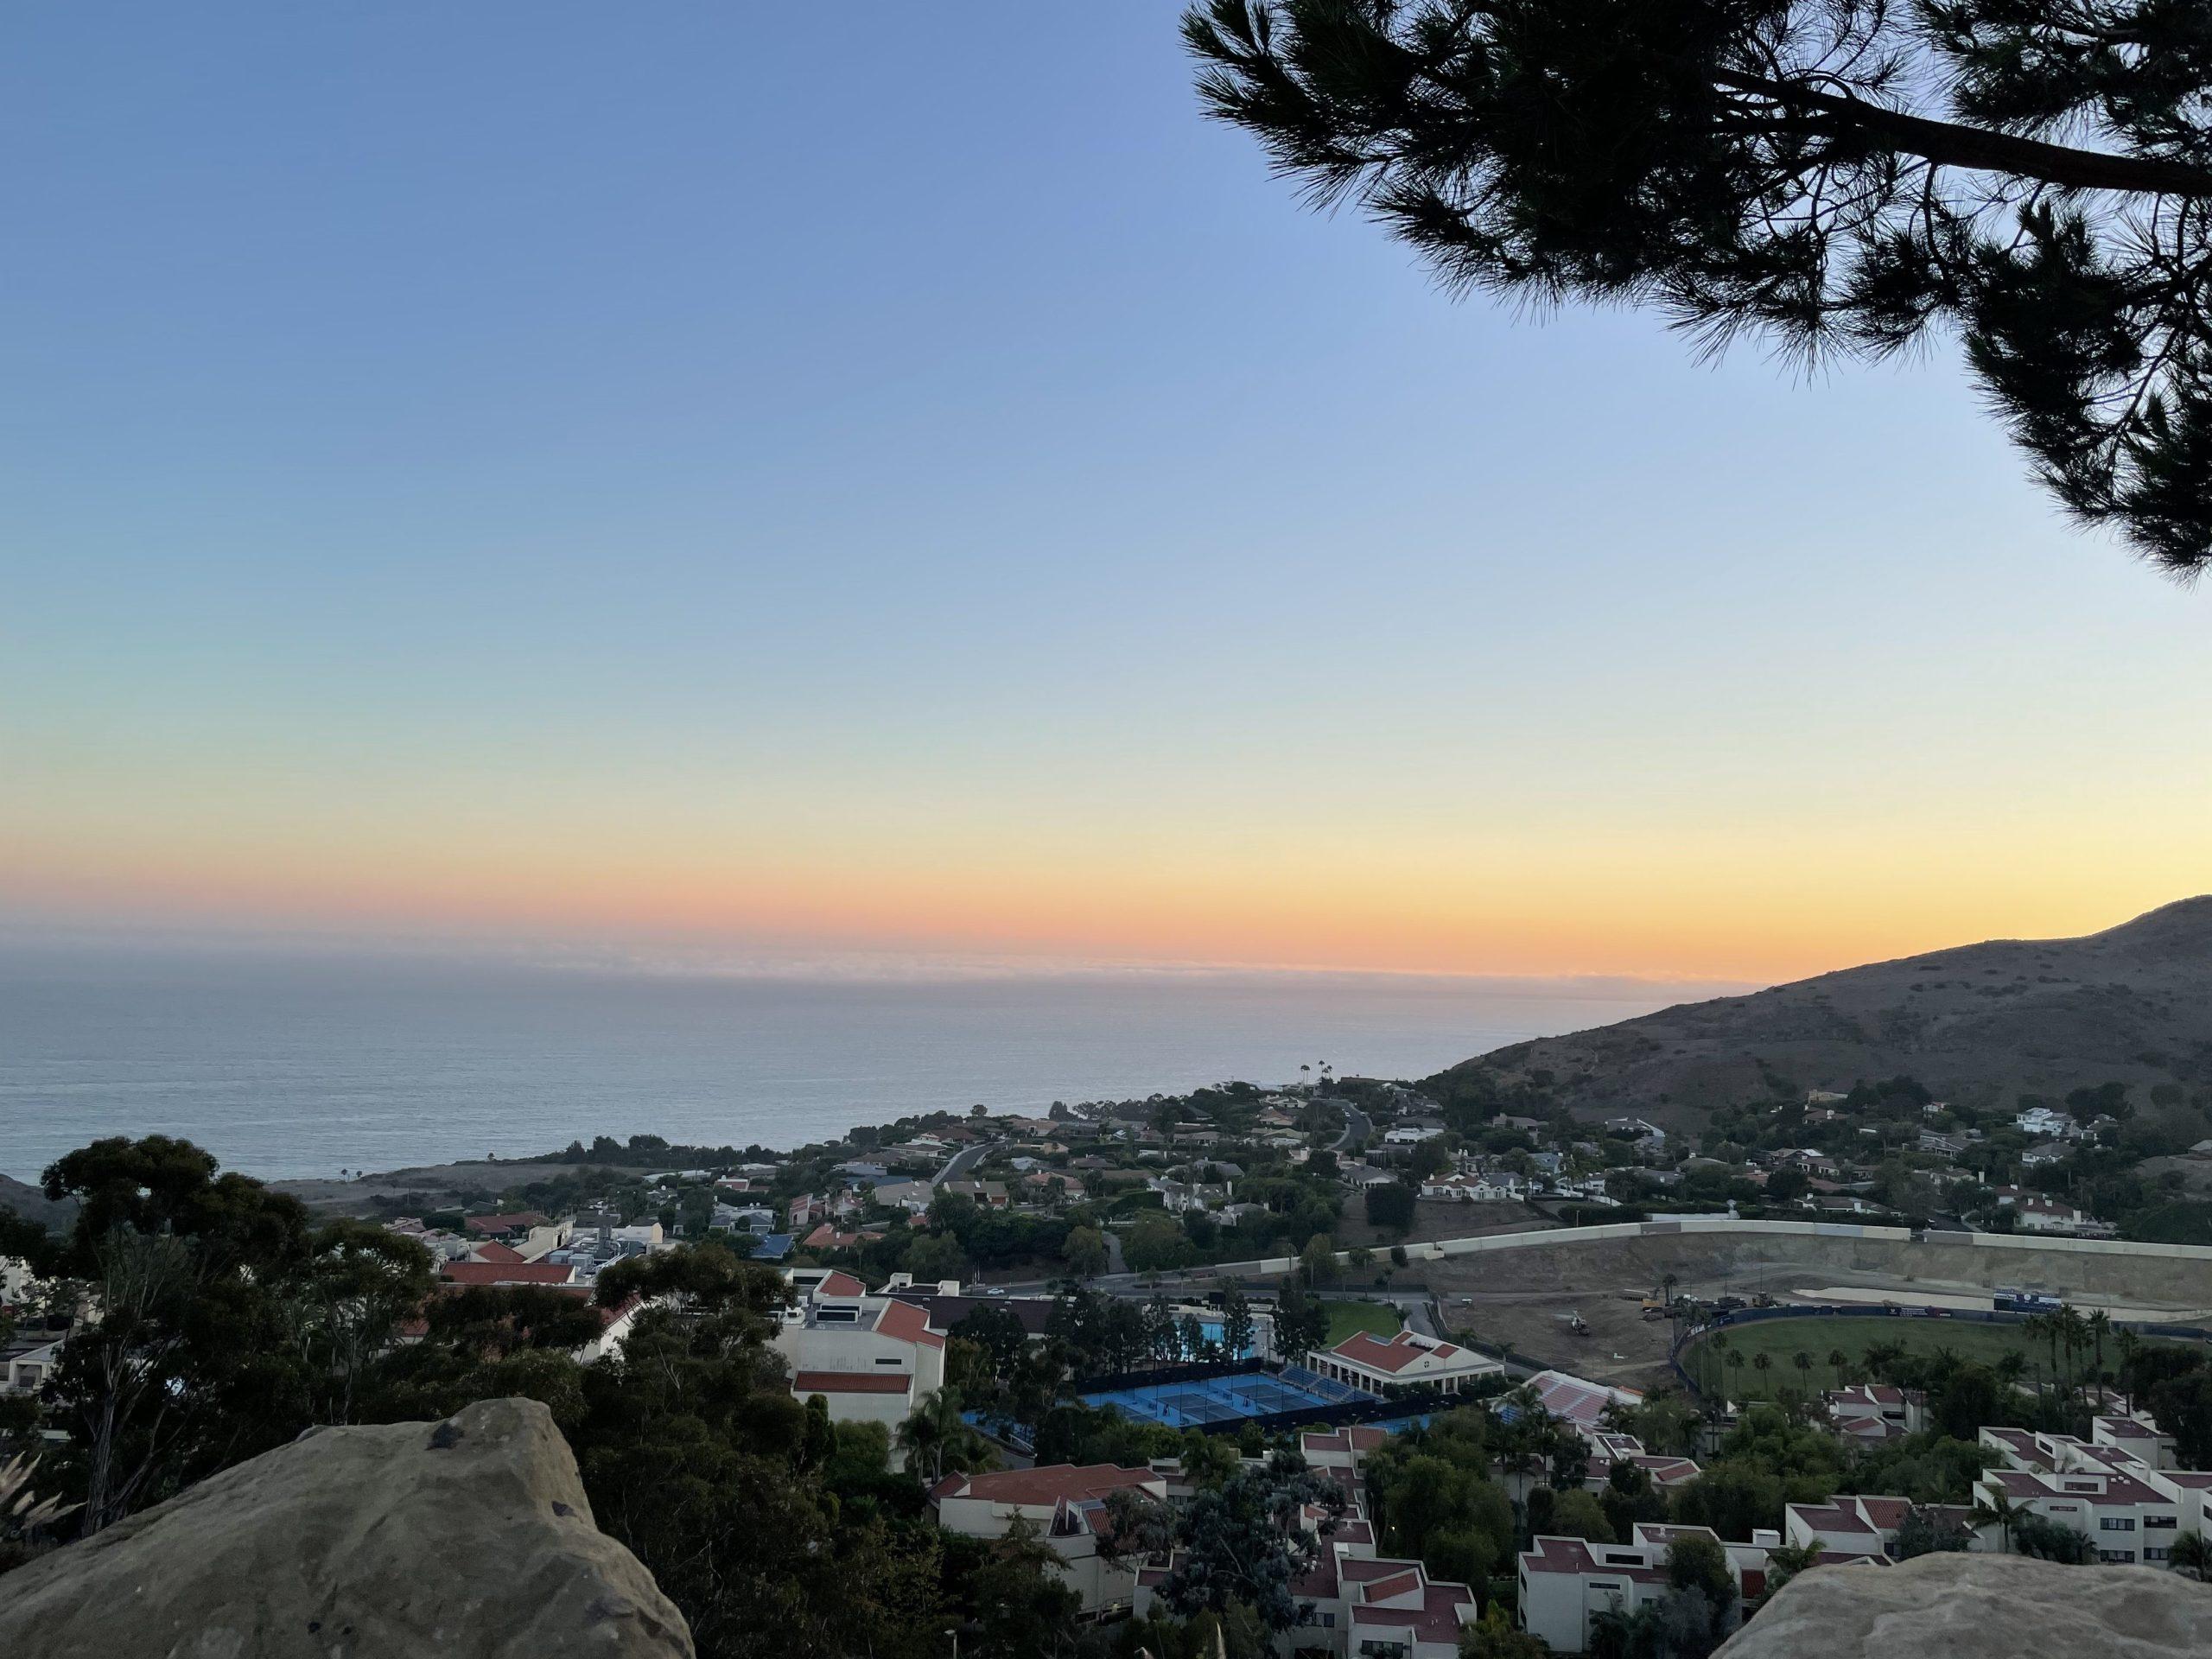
469	1538
1979	1607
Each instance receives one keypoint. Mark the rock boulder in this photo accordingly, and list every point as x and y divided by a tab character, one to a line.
1973	1607
469	1538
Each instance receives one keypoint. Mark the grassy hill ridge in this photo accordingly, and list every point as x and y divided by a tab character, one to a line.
1979	1024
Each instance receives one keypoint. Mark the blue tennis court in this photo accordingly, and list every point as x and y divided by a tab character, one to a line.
1220	1399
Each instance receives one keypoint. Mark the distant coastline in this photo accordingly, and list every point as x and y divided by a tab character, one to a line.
301	1067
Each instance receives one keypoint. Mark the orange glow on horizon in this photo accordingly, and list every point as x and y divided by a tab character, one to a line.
1741	913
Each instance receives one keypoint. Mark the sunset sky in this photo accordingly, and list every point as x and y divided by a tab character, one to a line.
886	479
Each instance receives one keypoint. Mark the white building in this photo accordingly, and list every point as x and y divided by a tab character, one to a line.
28	1360
1366	1360
1565	1583
1872	1412
1472	1189
2129	1510
2034	1213
1850	1525
1066	1503
1351	1605
2042	1120
1578	1401
873	1359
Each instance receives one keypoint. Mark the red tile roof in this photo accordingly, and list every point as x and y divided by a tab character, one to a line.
1371	1572
1363	1348
852	1383
907	1323
1573	1555
495	1251
1402	1583
1054	1483
506	1272
1832	1517
1887	1514
841	1284
508	1223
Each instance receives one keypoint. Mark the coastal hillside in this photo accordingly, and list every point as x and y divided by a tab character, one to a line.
1979	1024
20	1198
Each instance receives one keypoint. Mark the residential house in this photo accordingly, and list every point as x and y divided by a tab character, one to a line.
1359	1177
1411	1133
2032	1212
752	1218
1472	1189
914	1196
990	1195
525	1230
28	1360
1178	1196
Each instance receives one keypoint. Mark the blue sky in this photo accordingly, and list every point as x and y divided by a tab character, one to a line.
896	475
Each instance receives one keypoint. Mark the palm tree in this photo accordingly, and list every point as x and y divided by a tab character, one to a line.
2009	1366
1803	1362
1837	1361
1998	1510
2191	1554
1617	1635
1763	1365
1736	1365
2100	1324
2129	1342
939	1432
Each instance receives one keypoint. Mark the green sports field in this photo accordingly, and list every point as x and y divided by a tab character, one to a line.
1782	1340
1344	1318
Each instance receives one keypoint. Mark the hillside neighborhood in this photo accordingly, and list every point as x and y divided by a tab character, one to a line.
1129	1341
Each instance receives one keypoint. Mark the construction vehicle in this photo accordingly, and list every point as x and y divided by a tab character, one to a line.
1576	1323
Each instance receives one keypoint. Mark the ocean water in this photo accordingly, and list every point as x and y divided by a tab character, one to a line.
303	1066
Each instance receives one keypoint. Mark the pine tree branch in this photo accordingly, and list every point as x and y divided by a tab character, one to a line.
1978	148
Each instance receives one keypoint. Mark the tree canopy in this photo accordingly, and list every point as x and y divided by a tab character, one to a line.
1847	177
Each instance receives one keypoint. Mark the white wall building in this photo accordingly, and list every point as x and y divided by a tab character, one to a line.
1366	1360
1066	1503
2129	1510
873	1359
1565	1583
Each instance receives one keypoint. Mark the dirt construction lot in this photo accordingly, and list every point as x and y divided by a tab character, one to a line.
1520	1297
